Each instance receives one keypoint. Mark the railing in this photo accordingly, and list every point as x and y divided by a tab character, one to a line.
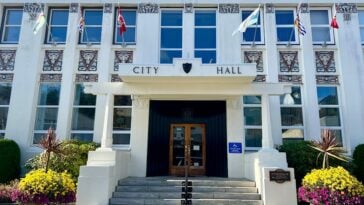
186	184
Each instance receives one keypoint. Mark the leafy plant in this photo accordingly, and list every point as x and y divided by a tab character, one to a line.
6	191
358	161
50	144
9	160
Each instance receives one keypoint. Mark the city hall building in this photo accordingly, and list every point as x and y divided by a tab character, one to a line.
177	80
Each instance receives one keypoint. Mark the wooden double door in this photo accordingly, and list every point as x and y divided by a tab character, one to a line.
187	148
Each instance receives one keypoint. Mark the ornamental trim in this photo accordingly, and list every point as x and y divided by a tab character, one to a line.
148	8
228	8
6	77
50	77
74	8
269	8
53	60
303	8
288	61
107	8
188	8
7	60
260	79
88	60
325	61
33	9
290	78
327	79
254	57
346	8
80	78
115	78
122	57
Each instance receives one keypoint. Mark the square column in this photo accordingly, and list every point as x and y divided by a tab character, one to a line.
106	137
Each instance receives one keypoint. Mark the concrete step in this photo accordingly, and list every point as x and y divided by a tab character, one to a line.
120	201
128	188
195	195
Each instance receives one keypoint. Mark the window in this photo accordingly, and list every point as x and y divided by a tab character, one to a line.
253	121
57	29
93	26
320	27
329	110
253	34
83	118
361	24
11	25
122	120
171	36
5	91
205	35
47	110
286	32
291	114
128	37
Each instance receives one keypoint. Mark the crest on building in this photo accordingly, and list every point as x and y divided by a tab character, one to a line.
7	60
88	60
187	67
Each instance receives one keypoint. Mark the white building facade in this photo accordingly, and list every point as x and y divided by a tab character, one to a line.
178	77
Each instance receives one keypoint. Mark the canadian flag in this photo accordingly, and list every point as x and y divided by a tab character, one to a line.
122	23
334	23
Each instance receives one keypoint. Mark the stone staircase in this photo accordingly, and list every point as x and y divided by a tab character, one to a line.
168	191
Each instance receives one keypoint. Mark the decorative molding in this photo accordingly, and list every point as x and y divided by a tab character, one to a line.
74	8
115	78
346	8
228	8
148	8
88	60
269	8
140	102
107	8
53	60
122	57
86	78
290	78
188	8
327	79
6	77
33	9
260	79
50	77
7	60
288	61
304	8
254	57
325	61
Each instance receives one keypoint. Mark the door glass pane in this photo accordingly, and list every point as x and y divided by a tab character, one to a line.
196	146
178	145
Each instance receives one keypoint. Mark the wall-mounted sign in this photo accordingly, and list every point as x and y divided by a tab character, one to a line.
279	176
235	147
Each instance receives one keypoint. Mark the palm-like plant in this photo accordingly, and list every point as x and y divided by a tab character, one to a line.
50	145
328	147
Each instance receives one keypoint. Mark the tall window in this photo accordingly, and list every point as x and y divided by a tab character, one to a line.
253	121
253	34
291	114
171	36
47	109
58	21
286	32
93	26
11	25
122	120
83	118
329	110
128	37
361	24
320	27
5	91
205	35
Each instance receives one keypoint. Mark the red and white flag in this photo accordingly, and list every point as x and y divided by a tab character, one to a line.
334	23
121	22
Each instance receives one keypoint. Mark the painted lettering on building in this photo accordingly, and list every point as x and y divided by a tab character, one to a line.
149	70
228	70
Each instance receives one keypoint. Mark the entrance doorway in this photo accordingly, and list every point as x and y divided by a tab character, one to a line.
187	148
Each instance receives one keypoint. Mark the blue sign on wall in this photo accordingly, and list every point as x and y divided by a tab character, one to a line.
235	147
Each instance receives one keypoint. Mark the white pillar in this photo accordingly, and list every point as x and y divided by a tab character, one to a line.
267	137
106	139
188	45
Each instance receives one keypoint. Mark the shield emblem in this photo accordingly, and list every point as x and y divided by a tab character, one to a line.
187	67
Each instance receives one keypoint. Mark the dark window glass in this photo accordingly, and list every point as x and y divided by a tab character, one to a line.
122	100
84	137
81	98
205	18
12	25
122	119
252	99
291	116
294	98
253	116
252	34
253	138
128	36
121	139
83	118
93	26
57	29
172	18
327	96
171	38
284	17
46	118
5	91
205	38
49	94
206	56
286	34
3	117
167	56
329	117
93	17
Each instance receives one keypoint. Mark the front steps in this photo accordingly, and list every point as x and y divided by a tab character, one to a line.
168	191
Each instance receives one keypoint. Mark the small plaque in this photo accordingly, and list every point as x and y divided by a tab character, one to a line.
279	176
235	147
196	148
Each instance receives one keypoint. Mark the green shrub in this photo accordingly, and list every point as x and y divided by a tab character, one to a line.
358	161
74	154
9	160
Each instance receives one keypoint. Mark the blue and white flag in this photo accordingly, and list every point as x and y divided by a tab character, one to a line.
250	20
301	29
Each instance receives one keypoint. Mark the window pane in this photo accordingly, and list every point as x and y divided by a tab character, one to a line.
83	118
337	135
121	139
3	117
253	116
5	91
245	14
252	34
294	98
129	35
11	34
92	34
292	133
205	18
319	17
205	38
167	56
321	34
129	17
83	99
361	17
59	17
206	56
329	117
286	34
291	117
122	119
58	34
327	95
362	34
14	17
284	17
122	100
46	118
38	137
84	137
171	18
171	38
253	138
93	17
248	99
2	135
49	94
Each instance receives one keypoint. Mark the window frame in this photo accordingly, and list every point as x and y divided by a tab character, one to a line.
331	31
297	40
260	26
2	132
116	26
81	34
4	25
122	131
361	26
247	127
49	27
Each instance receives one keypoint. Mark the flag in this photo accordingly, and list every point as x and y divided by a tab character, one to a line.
121	22
250	20
81	23
39	23
297	23
334	23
